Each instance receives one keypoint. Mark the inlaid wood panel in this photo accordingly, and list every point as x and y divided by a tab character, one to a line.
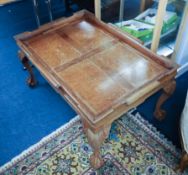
95	66
128	67
53	49
92	86
68	43
85	36
106	78
100	71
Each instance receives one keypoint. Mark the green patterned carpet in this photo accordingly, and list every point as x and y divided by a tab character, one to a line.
134	147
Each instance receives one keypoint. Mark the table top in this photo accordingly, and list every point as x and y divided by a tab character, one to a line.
97	66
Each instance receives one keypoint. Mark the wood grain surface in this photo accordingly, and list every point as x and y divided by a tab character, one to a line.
96	68
100	71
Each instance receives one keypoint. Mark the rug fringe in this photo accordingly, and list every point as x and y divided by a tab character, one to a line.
36	146
137	118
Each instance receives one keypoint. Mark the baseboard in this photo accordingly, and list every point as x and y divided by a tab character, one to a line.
182	70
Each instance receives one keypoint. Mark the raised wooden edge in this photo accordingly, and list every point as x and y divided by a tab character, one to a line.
124	107
126	33
130	41
84	14
121	109
142	92
51	26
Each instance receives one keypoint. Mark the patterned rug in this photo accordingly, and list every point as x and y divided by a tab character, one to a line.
134	147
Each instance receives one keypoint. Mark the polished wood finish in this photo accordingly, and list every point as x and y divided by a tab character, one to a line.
31	81
95	140
183	162
100	71
168	90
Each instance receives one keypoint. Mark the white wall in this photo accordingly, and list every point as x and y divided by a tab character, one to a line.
180	55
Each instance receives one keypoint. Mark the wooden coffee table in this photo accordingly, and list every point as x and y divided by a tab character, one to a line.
98	70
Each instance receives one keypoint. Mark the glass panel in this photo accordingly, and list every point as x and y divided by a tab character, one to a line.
110	10
138	17
115	11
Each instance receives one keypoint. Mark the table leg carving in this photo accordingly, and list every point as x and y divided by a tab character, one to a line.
95	140
167	92
183	162
31	81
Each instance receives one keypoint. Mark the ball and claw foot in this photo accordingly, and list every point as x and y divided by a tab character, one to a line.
160	114
168	90
95	140
96	161
31	82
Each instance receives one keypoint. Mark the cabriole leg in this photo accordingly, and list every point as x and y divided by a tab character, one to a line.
31	81
167	92
95	140
183	162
